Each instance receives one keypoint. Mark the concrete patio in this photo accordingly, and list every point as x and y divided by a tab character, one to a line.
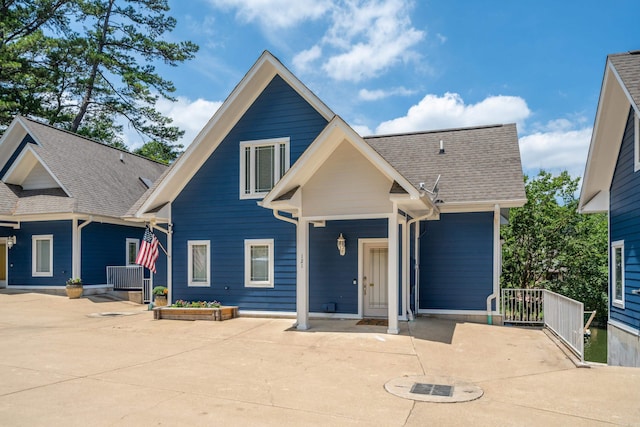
98	362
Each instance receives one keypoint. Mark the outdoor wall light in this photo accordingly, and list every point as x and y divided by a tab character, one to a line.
11	241
342	245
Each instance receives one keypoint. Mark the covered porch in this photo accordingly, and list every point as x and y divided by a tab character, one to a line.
353	214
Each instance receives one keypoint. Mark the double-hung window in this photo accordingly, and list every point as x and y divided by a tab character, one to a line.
617	273
199	263
42	255
132	251
262	164
258	263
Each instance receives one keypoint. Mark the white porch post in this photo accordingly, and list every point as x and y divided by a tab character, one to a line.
393	273
302	274
75	249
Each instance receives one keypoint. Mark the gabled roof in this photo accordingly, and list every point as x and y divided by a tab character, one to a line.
479	166
620	90
335	133
225	118
92	178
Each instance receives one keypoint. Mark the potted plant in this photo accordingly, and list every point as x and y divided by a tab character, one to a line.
74	288
160	295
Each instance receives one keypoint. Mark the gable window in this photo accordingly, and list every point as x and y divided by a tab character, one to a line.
42	255
617	273
199	262
262	164
258	263
636	141
132	251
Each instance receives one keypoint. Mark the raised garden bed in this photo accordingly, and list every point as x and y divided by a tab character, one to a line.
203	313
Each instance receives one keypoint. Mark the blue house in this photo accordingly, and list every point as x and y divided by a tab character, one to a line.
62	199
279	207
612	184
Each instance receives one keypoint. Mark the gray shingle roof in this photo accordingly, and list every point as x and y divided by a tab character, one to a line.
480	164
100	182
628	67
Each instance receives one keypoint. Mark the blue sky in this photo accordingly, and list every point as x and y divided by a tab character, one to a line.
389	66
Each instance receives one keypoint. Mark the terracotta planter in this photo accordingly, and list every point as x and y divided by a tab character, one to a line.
160	300
74	291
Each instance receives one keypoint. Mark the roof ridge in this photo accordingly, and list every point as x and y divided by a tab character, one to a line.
95	141
437	131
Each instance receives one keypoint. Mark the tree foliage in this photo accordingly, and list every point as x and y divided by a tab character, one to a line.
89	66
548	244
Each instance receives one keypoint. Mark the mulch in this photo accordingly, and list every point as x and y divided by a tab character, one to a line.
373	322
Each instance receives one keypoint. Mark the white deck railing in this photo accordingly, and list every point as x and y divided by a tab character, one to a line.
125	277
563	316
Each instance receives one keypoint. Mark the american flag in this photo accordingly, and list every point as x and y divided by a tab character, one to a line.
148	253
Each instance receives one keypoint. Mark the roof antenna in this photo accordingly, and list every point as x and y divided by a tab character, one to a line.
433	193
122	157
441	147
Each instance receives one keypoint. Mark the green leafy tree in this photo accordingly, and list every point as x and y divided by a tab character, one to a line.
162	153
93	69
548	244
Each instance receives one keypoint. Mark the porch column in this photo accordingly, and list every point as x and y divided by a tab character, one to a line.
75	249
302	274
392	281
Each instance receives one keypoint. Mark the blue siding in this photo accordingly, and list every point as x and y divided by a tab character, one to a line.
331	275
105	244
26	140
456	262
624	223
20	254
209	207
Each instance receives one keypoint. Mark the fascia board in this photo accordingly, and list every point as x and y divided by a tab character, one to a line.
217	128
15	168
607	135
14	133
480	206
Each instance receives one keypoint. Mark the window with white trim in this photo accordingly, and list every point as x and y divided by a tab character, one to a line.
132	250
42	255
199	263
262	164
636	141
617	273
258	263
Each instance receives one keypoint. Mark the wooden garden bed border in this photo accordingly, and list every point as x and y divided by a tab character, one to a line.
189	313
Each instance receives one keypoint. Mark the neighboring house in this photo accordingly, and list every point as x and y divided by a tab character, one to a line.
279	207
612	184
62	198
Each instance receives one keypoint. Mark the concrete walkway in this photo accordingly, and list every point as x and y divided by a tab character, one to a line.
62	363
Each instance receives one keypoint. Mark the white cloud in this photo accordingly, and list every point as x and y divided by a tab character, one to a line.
276	13
362	130
368	37
374	95
559	148
190	116
303	59
448	111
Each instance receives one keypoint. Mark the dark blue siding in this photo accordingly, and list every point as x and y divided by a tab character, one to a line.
331	275
624	222
20	254
26	140
456	262
105	244
209	207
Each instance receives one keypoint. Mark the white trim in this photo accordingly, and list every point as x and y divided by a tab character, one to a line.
3	241
34	239
636	142
57	287
619	303
248	283
361	243
16	164
190	245
268	314
302	275
277	164
392	281
346	217
624	327
338	316
69	217
482	206
129	240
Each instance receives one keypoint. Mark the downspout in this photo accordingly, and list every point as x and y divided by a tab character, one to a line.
497	254
276	213
415	254
77	271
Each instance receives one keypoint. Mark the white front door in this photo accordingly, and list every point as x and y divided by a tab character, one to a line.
375	279
3	264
